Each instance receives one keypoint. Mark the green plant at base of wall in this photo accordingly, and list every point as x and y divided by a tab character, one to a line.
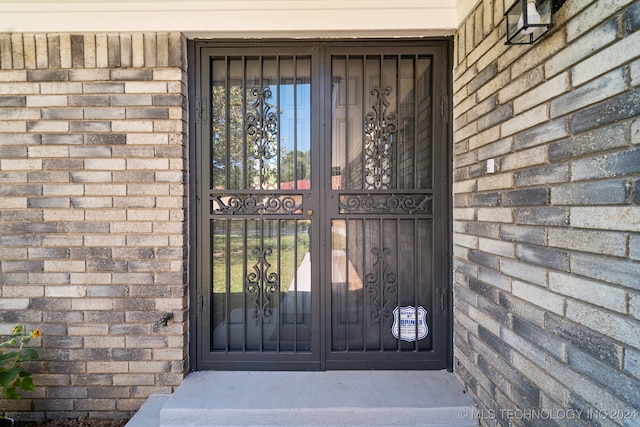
13	352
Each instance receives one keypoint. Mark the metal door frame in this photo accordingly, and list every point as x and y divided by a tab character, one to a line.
440	48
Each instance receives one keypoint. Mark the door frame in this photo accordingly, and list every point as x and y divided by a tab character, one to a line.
443	117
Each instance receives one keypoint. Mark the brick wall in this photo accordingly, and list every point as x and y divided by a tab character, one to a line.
547	248
93	216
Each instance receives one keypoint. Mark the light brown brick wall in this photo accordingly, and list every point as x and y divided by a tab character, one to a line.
546	249
93	200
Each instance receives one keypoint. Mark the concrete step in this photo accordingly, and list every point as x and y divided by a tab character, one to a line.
149	413
331	398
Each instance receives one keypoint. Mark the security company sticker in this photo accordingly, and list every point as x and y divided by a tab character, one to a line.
404	323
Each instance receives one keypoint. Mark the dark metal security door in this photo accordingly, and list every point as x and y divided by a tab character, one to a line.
257	244
322	219
386	208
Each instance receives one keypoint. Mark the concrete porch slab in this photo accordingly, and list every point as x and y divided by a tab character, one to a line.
331	398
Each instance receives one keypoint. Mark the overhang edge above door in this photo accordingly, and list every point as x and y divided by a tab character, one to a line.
239	16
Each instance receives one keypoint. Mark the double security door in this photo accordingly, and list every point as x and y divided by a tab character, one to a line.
321	216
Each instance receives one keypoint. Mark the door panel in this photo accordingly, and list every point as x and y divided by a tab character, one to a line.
376	266
321	226
261	285
256	211
385	275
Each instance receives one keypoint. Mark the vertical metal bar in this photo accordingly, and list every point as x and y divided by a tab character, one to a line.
245	178
416	223
382	280
227	224
415	122
395	147
295	185
295	124
415	271
381	118
201	152
433	288
278	127
279	251
380	221
347	140
227	303
245	148
212	271
261	285
227	113
363	182
398	237
434	124
261	115
364	254
295	283
347	279
244	277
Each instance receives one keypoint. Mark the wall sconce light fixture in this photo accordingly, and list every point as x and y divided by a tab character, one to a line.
528	20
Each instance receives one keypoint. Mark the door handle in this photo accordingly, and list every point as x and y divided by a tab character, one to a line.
309	212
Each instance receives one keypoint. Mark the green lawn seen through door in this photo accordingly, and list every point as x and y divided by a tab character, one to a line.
291	245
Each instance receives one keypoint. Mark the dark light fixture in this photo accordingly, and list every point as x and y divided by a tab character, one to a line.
528	20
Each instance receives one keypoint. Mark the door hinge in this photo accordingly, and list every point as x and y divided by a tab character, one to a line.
442	306
199	305
198	109
444	110
203	110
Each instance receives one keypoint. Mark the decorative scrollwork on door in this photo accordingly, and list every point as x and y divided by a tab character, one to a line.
249	204
261	127
381	284
262	285
386	203
380	126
